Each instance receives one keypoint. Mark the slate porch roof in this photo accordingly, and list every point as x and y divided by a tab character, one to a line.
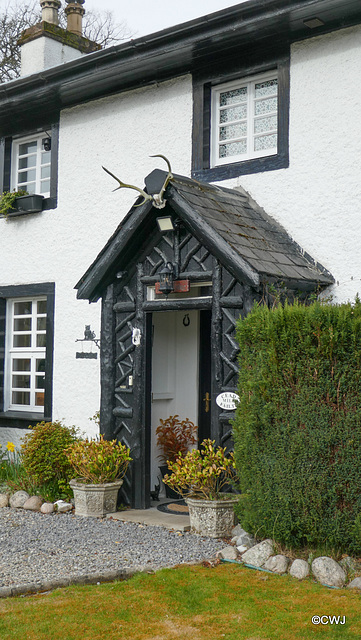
229	223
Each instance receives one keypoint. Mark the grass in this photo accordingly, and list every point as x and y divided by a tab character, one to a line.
227	602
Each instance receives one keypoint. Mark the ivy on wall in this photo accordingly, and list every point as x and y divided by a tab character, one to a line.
298	424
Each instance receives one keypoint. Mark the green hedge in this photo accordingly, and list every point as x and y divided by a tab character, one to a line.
298	425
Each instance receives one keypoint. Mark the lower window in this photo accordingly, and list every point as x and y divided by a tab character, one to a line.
26	354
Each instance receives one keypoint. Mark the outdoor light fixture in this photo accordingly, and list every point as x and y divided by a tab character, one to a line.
166	278
165	224
46	144
89	337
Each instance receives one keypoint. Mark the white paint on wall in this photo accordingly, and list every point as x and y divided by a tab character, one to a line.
317	199
58	246
43	53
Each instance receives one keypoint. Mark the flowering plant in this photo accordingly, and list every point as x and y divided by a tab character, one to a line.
202	473
98	461
175	437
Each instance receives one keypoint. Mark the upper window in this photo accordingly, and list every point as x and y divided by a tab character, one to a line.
244	119
31	164
241	115
26	353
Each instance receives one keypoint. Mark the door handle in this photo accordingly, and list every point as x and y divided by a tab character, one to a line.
207	400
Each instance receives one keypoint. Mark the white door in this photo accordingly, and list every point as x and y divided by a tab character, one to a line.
175	363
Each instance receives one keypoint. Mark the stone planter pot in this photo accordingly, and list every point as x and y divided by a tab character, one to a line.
95	500
212	518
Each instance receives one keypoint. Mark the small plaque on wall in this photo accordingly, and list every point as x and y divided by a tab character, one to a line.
85	355
227	400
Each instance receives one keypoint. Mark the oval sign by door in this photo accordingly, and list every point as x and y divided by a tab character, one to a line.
227	400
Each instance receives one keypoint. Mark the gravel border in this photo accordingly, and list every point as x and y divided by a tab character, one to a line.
41	552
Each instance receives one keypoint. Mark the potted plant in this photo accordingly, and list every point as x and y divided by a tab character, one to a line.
174	437
199	477
100	466
14	203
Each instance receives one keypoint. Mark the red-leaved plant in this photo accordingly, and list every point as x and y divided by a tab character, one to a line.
174	437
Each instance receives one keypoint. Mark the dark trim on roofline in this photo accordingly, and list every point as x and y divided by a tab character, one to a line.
167	54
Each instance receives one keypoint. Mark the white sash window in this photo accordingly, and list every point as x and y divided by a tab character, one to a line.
31	165
244	119
25	354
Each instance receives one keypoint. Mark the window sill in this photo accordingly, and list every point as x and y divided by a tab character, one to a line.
235	169
20	419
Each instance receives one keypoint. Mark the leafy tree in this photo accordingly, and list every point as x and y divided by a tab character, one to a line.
98	26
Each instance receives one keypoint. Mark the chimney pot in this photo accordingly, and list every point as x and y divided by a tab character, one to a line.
74	13
50	11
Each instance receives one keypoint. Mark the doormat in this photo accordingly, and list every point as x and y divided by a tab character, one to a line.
177	507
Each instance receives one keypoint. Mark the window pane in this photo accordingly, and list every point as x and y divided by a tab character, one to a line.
21	397
45	172
267	88
45	186
39	399
265	106
22	324
41	340
40	365
25	163
265	142
233	113
28	147
22	340
21	364
27	176
41	306
232	149
265	124
40	382
22	308
41	324
233	96
233	131
21	382
45	157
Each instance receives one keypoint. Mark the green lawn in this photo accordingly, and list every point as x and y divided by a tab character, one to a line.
228	601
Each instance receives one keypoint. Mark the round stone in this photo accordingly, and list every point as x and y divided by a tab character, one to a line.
18	499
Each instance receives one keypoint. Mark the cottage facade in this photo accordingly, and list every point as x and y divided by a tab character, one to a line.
259	100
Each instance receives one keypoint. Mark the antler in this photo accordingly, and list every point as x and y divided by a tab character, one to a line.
145	195
158	198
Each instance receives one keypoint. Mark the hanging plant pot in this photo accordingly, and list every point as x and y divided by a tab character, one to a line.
29	204
95	500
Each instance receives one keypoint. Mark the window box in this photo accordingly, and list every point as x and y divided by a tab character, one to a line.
27	204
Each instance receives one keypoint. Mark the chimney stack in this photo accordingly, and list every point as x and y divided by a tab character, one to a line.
49	11
74	13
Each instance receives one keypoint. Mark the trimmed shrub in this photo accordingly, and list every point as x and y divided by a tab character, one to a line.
43	452
298	424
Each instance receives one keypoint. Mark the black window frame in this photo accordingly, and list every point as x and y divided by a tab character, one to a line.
6	146
254	63
22	419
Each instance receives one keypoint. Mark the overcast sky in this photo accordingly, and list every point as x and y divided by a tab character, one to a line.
148	16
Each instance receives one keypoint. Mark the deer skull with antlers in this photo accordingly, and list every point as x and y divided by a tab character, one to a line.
156	199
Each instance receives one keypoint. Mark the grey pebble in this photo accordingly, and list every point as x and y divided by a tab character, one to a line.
36	547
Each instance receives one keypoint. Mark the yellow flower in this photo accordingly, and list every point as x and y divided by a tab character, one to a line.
10	446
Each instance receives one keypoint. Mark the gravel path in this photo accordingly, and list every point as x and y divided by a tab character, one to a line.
37	548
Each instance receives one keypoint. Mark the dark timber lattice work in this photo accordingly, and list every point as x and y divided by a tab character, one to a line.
222	241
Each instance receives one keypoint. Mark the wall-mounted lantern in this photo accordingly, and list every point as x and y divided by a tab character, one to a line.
165	224
87	341
167	276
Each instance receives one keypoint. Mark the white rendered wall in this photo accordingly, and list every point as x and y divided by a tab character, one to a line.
43	53
59	245
317	199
